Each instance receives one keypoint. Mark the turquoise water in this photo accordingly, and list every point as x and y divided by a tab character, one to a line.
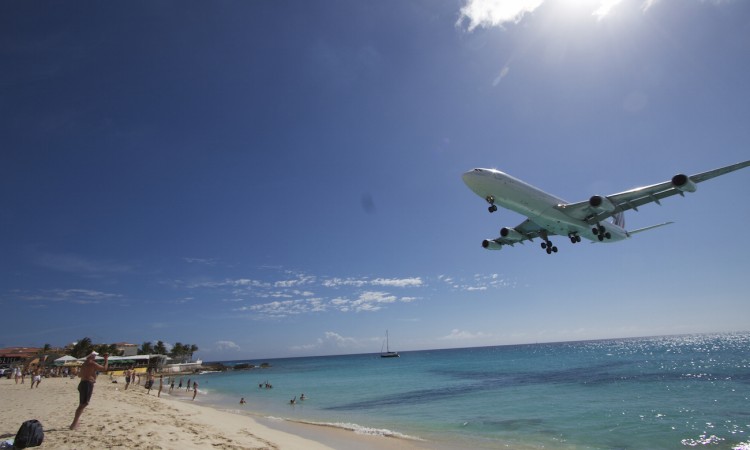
647	393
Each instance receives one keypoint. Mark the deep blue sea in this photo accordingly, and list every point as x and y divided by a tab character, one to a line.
646	393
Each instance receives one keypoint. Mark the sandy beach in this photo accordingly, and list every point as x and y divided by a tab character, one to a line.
121	419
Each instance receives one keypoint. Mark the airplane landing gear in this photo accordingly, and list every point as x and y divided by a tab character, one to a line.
491	200
574	238
601	232
547	245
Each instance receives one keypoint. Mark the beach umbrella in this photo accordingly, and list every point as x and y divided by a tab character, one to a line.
64	359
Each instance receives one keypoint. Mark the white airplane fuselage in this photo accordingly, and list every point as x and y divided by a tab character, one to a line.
540	207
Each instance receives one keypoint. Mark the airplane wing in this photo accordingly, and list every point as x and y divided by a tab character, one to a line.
527	230
599	208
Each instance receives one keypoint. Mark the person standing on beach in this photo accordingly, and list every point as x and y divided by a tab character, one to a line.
195	389
149	381
161	382
36	378
127	379
87	374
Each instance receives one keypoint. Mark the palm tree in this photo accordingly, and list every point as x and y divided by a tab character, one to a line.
178	351
82	348
146	349
110	349
160	348
193	349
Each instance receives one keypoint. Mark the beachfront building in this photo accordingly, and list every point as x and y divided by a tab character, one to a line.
13	356
139	363
184	367
126	349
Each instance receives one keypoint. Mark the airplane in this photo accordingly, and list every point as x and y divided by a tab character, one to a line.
548	215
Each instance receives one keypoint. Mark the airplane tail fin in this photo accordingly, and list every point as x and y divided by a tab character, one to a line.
649	228
619	219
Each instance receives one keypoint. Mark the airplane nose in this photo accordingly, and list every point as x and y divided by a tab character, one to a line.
471	176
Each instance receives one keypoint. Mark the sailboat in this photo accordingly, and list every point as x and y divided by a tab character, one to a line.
388	353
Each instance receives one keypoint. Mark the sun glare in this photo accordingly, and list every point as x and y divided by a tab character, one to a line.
604	8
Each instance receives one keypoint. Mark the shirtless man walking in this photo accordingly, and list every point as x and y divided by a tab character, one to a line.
86	386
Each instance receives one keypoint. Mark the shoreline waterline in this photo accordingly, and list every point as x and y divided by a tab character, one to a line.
658	392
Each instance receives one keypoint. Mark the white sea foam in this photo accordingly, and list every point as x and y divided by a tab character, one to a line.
359	429
702	440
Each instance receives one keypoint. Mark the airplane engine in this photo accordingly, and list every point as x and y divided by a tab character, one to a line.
490	244
601	204
683	183
511	234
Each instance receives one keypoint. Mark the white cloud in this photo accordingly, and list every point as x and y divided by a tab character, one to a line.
478	282
71	263
336	282
206	261
397	282
332	339
300	280
372	301
497	13
492	13
226	345
361	282
236	283
340	340
458	335
79	296
295	294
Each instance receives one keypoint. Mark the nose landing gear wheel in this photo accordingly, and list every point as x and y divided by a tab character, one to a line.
491	200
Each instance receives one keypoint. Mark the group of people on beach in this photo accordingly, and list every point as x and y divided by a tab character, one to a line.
89	370
18	373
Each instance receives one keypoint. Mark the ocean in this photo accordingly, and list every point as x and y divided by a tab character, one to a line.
646	393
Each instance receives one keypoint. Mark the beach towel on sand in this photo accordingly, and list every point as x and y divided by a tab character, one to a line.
30	434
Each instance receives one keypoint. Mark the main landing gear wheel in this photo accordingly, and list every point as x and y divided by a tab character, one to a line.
547	245
574	238
491	200
601	232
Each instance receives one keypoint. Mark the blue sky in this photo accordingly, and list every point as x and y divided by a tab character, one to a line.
268	179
